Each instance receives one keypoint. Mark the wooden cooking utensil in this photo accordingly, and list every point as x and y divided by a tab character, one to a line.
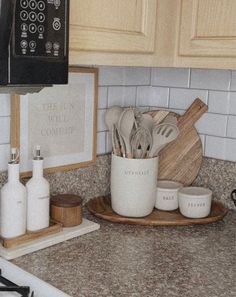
181	159
125	127
112	116
115	142
162	134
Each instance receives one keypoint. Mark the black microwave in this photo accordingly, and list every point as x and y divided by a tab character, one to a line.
34	38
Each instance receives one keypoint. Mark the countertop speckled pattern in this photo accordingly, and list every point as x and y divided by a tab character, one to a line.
137	261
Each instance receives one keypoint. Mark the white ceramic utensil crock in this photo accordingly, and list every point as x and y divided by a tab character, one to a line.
167	195
195	202
133	186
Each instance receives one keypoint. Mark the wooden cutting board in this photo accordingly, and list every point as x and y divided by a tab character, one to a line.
181	159
101	208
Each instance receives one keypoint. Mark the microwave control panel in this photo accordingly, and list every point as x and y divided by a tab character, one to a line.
40	28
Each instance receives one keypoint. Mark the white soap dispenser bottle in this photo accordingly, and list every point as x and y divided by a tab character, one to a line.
37	196
13	201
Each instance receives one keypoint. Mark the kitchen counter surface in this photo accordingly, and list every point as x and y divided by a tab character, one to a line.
138	261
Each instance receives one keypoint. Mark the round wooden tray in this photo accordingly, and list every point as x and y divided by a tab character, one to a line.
101	207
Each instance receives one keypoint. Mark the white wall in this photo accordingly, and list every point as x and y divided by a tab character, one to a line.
166	88
4	130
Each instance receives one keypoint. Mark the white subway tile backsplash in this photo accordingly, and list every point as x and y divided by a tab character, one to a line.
219	102
178	111
230	150
118	76
152	96
210	79
170	77
172	89
135	76
221	148
102	97
101	143
111	76
233	81
203	139
212	124
231	127
144	108
183	98
215	147
232	103
5	105
123	96
108	142
4	130
4	156
101	126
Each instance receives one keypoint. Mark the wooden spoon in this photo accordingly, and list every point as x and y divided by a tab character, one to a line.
162	135
125	127
115	142
112	116
147	122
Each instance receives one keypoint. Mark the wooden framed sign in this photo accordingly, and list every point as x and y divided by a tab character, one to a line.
61	119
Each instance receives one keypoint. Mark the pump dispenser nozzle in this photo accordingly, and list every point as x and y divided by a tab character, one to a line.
14	158
37	155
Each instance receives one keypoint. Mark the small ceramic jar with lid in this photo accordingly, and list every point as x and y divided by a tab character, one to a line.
195	202
167	195
66	209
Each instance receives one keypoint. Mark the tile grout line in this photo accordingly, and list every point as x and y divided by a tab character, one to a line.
150	76
169	86
226	126
204	147
189	78
136	95
230	81
106	97
168	99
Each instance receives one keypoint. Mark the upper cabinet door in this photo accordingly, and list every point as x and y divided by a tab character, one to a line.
113	26
207	28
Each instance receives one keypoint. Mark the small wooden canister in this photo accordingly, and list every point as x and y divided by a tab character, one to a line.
66	209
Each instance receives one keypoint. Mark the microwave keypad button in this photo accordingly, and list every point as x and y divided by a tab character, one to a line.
48	46
24	27
41	5
33	4
41	17
56	46
57	3
24	3
24	15
24	44
32	16
32	45
32	28
56	24
41	29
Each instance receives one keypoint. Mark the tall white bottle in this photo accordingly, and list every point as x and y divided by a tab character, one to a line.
13	202
37	196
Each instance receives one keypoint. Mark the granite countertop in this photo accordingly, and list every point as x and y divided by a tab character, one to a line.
138	261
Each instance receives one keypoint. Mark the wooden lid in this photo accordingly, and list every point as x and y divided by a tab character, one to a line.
65	200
